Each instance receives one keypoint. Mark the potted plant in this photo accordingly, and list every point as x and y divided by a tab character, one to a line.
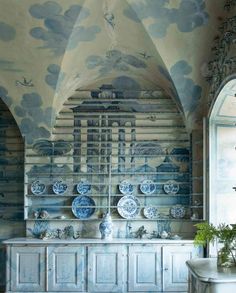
223	233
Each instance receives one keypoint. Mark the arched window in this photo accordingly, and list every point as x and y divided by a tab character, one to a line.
222	156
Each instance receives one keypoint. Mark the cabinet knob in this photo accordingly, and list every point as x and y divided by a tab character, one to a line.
165	269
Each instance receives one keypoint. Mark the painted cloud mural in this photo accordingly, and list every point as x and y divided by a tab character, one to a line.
61	30
189	92
54	76
189	15
34	115
7	32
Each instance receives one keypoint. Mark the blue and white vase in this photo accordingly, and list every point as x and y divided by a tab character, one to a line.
106	227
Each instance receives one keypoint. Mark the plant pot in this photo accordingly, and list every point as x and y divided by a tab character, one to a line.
225	256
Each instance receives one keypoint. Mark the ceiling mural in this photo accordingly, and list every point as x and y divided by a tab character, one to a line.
185	14
51	49
62	30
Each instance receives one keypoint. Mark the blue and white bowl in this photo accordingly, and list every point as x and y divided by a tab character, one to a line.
128	206
178	211
59	187
126	187
147	187
151	212
37	187
83	207
171	187
83	187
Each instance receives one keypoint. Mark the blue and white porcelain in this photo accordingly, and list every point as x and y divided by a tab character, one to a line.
59	187
126	187
171	187
37	187
106	227
178	211
83	187
147	187
151	212
128	206
83	207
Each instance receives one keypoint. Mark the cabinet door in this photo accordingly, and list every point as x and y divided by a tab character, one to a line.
28	267
106	268
144	268
175	271
66	268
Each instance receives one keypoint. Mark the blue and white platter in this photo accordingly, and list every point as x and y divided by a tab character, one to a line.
59	187
83	187
37	187
171	187
147	187
178	211
83	207
128	206
126	187
151	212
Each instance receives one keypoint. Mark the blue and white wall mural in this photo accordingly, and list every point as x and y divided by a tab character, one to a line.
82	45
34	117
61	27
189	15
189	92
54	76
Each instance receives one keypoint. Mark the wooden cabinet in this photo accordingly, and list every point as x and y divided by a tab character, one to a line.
66	268
27	268
127	265
144	268
106	268
175	273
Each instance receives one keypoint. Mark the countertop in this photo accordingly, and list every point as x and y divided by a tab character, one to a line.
28	240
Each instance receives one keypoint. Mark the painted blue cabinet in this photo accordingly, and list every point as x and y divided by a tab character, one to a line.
175	272
144	268
27	269
106	268
92	265
66	268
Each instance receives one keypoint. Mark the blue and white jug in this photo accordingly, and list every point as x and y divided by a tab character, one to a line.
106	227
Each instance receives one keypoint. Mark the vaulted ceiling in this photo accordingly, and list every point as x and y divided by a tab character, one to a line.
52	50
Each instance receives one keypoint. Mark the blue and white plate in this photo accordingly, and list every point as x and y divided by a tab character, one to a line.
147	186
83	187
178	211
126	187
128	206
171	187
83	207
38	188
59	187
151	212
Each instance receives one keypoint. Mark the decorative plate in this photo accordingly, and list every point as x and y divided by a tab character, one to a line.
83	187
171	187
150	212
83	207
147	187
126	187
37	187
177	211
128	206
59	187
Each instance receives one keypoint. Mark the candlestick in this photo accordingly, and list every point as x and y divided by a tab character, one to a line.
109	187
